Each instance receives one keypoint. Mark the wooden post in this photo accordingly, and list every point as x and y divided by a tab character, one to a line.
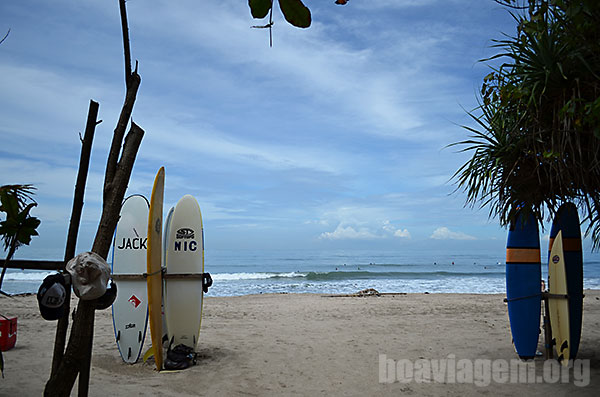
547	329
114	183
77	356
84	164
121	157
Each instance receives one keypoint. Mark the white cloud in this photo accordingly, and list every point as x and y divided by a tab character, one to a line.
348	233
266	155
371	87
443	233
402	233
387	226
365	233
399	4
260	135
396	232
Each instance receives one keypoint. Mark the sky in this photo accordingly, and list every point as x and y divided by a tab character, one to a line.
334	138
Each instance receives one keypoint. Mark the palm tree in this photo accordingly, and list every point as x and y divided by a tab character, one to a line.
537	143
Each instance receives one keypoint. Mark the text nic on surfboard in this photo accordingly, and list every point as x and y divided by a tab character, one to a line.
182	236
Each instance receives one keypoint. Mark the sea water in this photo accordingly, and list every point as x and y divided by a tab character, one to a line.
242	272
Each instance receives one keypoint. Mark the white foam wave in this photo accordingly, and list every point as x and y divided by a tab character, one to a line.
27	276
254	276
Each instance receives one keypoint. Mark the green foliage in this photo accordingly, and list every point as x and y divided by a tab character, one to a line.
539	116
260	8
294	11
19	227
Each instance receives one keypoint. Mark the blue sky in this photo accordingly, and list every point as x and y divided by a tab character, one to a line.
333	138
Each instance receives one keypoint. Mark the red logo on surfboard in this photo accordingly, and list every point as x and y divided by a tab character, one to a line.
134	301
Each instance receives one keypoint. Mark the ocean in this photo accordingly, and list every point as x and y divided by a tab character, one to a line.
243	272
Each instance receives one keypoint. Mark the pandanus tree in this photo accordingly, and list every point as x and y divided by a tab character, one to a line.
536	140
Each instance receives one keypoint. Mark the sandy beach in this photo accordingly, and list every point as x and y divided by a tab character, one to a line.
289	344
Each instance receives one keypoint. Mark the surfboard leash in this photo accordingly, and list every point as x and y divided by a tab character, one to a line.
523	297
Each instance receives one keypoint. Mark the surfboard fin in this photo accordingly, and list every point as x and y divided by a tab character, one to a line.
129	353
118	335
139	336
149	353
564	346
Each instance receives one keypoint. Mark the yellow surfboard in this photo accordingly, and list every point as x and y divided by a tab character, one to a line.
557	303
154	266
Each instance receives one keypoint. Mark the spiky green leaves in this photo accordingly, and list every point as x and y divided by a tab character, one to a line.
19	227
537	139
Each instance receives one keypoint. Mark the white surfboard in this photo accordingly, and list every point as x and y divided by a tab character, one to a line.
130	309
183	277
165	244
166	233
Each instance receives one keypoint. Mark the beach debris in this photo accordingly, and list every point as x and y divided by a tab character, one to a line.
362	293
368	292
89	274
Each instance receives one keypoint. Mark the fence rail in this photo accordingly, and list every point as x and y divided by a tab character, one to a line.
33	264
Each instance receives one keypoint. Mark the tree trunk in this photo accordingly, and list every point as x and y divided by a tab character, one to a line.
11	251
84	163
77	356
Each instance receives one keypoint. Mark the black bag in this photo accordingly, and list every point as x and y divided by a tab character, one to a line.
206	282
180	357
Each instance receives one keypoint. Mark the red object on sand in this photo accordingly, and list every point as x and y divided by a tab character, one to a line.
8	332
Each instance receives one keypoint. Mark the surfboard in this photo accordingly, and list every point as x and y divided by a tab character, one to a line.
183	277
130	308
523	284
154	266
167	229
165	243
567	220
558	306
